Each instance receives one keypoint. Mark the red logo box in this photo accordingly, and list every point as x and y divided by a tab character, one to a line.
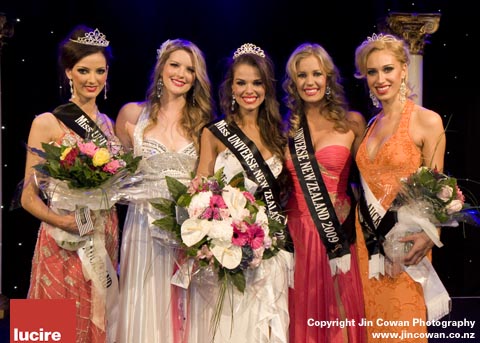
42	320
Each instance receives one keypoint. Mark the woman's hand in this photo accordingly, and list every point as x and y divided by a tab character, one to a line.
69	223
422	244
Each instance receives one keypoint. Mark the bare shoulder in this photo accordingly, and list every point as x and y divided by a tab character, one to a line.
355	117
356	122
45	128
46	122
426	117
131	111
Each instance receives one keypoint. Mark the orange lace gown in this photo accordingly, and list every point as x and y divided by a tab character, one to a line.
57	274
390	299
314	295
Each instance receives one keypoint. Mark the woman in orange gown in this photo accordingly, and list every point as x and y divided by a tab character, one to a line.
400	139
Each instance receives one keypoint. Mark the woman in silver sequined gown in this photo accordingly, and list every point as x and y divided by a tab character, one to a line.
164	131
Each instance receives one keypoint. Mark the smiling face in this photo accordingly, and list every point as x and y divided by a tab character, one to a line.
89	76
178	74
248	87
384	74
310	79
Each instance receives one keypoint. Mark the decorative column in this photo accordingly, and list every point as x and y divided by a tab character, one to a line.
414	28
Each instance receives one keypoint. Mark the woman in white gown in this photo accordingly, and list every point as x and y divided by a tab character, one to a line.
252	119
164	130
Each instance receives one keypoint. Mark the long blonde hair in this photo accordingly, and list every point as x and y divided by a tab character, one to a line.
335	104
199	108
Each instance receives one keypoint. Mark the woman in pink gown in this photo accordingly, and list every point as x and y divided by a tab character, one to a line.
60	272
326	304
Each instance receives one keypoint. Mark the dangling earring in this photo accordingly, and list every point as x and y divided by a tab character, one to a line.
233	103
70	82
403	91
375	101
328	93
159	88
105	91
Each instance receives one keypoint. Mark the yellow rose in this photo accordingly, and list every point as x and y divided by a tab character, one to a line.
101	157
65	153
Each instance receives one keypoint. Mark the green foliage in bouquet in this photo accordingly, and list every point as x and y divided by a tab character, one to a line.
85	165
245	231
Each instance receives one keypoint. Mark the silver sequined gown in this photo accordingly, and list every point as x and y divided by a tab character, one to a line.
148	255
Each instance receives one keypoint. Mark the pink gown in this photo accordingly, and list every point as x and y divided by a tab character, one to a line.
313	296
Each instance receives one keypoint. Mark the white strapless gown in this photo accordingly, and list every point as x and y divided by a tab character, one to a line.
260	314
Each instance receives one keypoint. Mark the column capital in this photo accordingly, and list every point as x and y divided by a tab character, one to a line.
414	28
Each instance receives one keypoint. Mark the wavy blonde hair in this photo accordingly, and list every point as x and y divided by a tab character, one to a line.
335	104
199	109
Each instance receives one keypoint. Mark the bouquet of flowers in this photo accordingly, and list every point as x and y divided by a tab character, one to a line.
436	195
81	176
427	199
220	225
84	165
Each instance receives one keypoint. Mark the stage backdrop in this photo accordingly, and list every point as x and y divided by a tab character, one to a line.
137	28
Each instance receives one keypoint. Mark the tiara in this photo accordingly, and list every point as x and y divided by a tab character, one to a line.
248	48
162	48
380	37
92	38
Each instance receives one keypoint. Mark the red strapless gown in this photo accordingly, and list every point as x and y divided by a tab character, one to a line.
314	296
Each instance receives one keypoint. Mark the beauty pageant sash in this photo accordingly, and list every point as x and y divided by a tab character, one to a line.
253	164
318	200
376	224
96	263
77	120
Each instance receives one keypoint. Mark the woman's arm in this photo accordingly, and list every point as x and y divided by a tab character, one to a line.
45	128
125	124
357	125
426	129
208	153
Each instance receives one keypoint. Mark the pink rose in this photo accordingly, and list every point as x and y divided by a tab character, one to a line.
445	193
454	206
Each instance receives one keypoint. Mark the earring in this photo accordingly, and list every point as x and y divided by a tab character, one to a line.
105	91
233	103
159	88
328	93
70	82
375	101
403	91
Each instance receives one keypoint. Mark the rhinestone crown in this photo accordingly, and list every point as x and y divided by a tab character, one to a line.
248	48
92	38
380	37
